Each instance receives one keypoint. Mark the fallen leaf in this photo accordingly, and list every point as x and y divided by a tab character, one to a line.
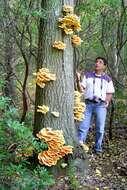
123	180
106	188
109	175
98	172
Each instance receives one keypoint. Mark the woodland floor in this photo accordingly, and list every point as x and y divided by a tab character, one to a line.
107	171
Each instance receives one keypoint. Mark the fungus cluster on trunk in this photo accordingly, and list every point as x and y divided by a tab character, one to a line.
56	147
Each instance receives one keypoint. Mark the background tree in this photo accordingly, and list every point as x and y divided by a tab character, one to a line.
7	53
20	26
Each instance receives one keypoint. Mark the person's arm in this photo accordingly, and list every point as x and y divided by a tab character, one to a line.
80	87
109	94
108	99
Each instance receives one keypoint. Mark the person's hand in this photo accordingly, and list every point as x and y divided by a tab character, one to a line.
78	76
106	104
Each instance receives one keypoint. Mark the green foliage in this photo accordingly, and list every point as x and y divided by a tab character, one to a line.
19	176
19	166
39	145
72	178
2	81
112	148
121	93
4	102
99	21
34	13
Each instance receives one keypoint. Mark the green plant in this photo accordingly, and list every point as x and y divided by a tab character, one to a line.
4	102
72	178
19	166
113	148
2	80
19	176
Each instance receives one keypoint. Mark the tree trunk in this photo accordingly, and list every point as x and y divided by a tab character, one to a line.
9	55
116	63
9	89
59	94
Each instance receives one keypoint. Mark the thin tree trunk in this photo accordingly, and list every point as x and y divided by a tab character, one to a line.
9	89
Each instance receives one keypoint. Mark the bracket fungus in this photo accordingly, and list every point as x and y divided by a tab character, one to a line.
55	114
67	9
70	23
56	147
79	107
44	76
59	45
43	109
76	40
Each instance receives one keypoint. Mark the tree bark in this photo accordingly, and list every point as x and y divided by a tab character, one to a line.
9	89
59	94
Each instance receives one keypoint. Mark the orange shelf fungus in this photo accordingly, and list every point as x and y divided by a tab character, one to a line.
56	148
76	40
43	109
59	45
67	9
70	23
48	158
79	107
65	150
43	76
51	136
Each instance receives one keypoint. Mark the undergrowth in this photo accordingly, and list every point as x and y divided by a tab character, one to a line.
19	166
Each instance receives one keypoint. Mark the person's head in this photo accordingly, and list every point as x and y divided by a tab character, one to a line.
100	64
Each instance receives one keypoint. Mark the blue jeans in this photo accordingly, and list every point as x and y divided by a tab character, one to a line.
100	111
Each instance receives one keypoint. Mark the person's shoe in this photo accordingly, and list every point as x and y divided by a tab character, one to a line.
84	146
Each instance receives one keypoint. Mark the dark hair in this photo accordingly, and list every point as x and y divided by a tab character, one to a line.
104	60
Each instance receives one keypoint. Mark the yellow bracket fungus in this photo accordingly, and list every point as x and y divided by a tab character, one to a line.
59	45
76	40
43	109
79	107
67	9
70	23
43	76
56	150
